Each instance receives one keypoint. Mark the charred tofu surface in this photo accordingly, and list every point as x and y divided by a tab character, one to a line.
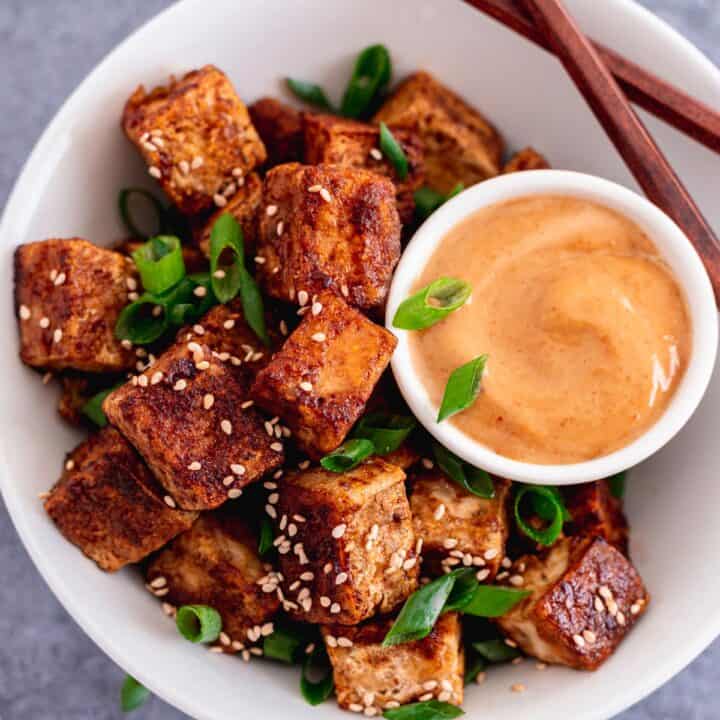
526	159
216	563
458	528
190	418
328	227
586	595
368	675
243	207
459	144
108	504
595	512
68	295
321	379
338	141
281	129
195	136
346	543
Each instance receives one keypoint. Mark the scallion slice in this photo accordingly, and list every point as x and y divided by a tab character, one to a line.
386	432
126	214
316	665
349	455
371	75
427	200
492	601
310	93
462	388
472	479
267	536
285	644
616	484
547	504
393	151
140	323
160	263
496	650
132	694
427	710
92	409
474	665
432	304
198	623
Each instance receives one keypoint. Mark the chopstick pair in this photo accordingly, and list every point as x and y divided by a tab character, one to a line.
592	68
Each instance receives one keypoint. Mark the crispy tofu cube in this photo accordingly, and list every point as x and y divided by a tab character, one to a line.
586	595
526	159
338	141
243	207
328	227
281	129
324	374
458	528
216	563
404	457
76	389
196	137
68	295
368	675
595	512
188	415
346	543
109	505
458	143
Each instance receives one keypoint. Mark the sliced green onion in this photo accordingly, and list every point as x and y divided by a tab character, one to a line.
421	610
92	409
474	665
428	710
427	200
462	388
160	263
198	623
126	215
496	650
371	75
226	234
431	304
349	455
253	308
317	663
472	479
267	536
138	323
463	591
548	505
132	694
393	151
285	644
386	432
616	484
310	93
492	601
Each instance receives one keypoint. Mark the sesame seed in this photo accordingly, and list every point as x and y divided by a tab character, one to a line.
276	446
425	697
339	530
518	688
390	704
202	365
60	279
215	649
315	188
208	401
612	607
44	323
70	464
24	312
368	698
341	578
273	498
228	480
303	297
579	640
246	404
307	576
354	707
57	335
439	511
605	592
270	210
180	385
444	696
325	601
133	296
327	568
280	227
184	167
197	162
635	608
169	501
620	617
344	290
226	427
237	469
154	172
46	378
409	564
219	200
319	337
270	510
229	190
335	608
482	574
331	641
510	643
375	154
195	465
430	685
306	386
234	493
589	636
325	195
126	344
316	308
516	580
156	378
158	582
200	291
344	642
491	553
450	543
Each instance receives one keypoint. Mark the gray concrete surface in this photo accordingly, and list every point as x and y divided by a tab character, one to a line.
49	670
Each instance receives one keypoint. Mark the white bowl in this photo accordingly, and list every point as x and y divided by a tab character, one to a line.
674	247
69	186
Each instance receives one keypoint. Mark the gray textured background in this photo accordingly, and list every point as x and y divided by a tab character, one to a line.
49	669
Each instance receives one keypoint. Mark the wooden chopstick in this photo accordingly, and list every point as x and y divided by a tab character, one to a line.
640	152
665	101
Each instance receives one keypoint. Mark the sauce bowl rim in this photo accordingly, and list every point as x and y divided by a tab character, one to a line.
673	246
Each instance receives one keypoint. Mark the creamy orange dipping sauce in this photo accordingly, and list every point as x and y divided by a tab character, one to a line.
586	329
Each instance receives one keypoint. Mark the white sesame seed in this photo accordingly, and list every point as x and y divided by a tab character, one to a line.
390	704
325	601
246	404
327	568
303	297
24	312
491	553
184	167
219	200
354	707
169	501
439	511
53	274
315	188
450	543
195	465
228	480
270	510
444	696
226	427
325	195
208	401
270	210
345	290
425	697
375	154
60	279
234	493
126	344
482	574
409	564
200	291
156	378
510	643
599	605
280	227
196	163
306	386
57	335
237	469
331	641
612	607
579	640
516	580
635	608
158	582
154	172
70	464
44	323
273	498
339	530
133	296
276	446
589	636
180	385
344	642
605	592
430	685
335	608
620	617
341	578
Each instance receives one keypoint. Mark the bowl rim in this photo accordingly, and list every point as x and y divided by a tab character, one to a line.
57	579
674	247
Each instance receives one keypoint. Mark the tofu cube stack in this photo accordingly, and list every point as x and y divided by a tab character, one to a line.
216	411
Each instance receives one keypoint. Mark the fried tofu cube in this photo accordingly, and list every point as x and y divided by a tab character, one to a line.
595	512
404	457
76	390
586	595
109	505
320	380
368	675
216	563
338	141
243	207
458	528
280	127
346	542
188	415
195	136
458	143
328	227
68	295
526	159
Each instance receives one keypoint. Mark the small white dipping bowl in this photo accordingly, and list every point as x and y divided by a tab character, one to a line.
674	247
